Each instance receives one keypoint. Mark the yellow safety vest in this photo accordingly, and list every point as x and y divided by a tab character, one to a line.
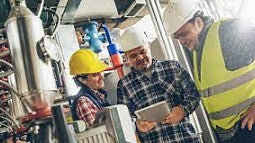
226	94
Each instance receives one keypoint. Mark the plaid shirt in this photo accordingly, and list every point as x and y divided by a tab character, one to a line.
86	110
171	83
89	103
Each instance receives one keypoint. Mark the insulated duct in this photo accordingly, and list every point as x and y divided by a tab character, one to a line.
33	74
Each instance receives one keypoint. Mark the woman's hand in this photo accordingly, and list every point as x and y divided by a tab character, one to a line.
145	126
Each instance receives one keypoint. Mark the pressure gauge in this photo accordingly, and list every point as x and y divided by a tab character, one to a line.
50	48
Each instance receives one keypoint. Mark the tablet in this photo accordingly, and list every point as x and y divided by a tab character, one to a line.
156	112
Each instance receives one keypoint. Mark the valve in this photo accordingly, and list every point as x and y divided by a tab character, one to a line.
93	37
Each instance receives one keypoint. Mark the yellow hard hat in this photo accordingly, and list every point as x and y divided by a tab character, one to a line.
85	61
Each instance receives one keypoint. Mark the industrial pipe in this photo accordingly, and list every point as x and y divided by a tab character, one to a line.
114	53
33	74
92	36
63	132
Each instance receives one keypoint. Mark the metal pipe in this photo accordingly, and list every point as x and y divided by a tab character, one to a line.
166	44
209	135
107	33
33	74
40	8
4	118
58	22
92	36
7	73
114	53
8	127
16	93
63	133
64	76
9	86
10	117
6	63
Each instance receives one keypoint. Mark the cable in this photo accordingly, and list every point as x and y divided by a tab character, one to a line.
16	93
39	11
6	119
6	63
9	86
7	73
10	117
8	127
58	20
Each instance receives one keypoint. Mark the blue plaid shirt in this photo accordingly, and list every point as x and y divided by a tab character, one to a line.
169	82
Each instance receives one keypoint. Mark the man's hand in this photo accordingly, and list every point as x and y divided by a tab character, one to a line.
249	118
175	116
145	126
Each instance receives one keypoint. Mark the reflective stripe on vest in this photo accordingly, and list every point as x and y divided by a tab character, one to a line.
226	95
232	110
229	84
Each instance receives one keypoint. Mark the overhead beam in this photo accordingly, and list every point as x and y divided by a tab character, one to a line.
70	11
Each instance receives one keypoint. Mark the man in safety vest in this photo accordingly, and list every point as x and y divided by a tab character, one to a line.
224	67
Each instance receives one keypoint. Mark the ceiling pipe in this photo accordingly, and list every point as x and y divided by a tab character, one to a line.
40	8
70	11
156	16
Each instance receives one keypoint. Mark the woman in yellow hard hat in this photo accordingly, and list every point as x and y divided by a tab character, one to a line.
87	70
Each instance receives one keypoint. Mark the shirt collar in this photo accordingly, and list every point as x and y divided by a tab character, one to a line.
202	36
100	92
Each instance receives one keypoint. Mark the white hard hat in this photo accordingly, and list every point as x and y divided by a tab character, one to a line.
178	12
133	38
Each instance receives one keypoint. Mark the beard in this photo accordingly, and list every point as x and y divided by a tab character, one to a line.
143	65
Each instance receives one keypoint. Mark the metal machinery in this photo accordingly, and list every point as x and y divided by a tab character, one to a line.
34	81
34	75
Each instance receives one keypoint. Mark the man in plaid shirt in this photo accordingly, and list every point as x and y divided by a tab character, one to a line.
151	81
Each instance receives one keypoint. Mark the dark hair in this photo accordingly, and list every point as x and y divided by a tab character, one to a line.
200	14
84	76
77	82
